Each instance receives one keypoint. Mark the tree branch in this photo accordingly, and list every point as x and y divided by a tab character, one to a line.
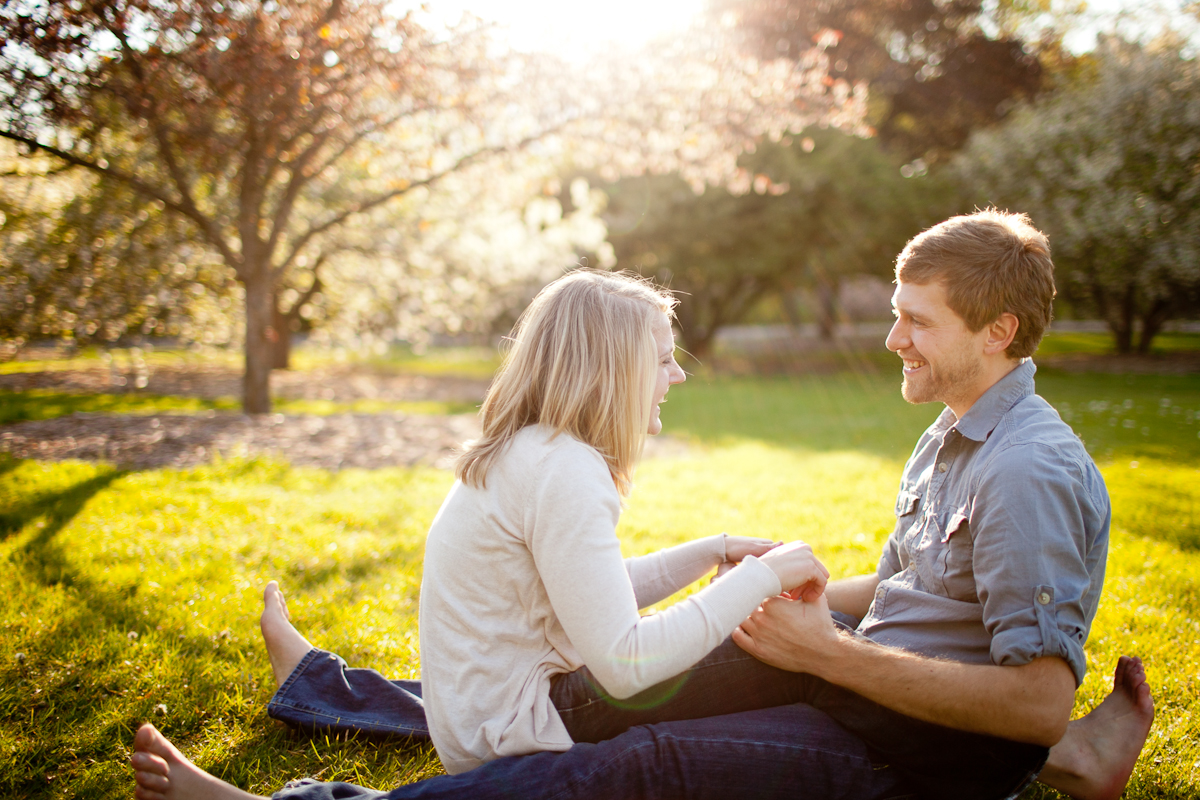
310	292
203	223
380	199
166	151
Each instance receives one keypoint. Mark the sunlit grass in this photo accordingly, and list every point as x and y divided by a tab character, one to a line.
91	555
38	404
125	359
1057	342
127	591
473	362
1117	416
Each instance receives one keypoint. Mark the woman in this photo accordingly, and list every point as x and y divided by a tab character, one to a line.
529	624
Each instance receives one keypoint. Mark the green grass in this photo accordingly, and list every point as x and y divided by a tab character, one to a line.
471	362
126	590
1057	342
1117	416
38	404
125	358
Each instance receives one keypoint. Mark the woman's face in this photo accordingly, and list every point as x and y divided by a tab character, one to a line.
668	373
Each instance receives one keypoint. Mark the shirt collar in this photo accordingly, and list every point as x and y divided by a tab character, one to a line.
983	417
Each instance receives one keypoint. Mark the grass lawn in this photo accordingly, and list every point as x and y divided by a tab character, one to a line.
135	595
36	404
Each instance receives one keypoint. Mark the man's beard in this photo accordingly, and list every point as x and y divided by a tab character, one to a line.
954	374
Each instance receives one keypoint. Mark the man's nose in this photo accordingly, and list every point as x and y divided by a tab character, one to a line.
897	337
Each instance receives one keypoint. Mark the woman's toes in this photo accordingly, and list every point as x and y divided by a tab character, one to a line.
152	781
148	763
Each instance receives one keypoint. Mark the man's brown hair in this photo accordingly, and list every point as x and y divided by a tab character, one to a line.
990	262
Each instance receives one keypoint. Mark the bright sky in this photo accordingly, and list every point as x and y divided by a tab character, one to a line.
1134	18
579	28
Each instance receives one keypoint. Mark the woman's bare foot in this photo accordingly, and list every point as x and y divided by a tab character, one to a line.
163	773
1096	757
285	646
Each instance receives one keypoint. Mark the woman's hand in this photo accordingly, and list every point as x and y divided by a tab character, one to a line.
799	571
738	547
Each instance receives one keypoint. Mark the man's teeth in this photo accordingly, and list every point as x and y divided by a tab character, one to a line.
913	364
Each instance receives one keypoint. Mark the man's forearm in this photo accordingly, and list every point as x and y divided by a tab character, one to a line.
1029	703
852	596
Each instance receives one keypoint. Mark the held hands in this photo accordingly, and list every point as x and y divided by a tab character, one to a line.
799	571
790	634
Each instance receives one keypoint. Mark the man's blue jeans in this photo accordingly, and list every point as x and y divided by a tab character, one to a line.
787	753
845	745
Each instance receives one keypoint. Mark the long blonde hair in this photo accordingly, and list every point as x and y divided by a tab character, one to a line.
582	361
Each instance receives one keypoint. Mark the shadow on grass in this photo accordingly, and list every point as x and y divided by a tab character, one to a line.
58	508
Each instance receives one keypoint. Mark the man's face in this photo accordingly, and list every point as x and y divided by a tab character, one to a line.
943	359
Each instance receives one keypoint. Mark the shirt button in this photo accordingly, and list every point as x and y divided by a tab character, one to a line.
1044	598
942	467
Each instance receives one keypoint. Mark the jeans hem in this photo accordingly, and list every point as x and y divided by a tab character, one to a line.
277	699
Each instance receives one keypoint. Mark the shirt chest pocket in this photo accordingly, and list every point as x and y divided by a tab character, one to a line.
906	505
955	558
908	523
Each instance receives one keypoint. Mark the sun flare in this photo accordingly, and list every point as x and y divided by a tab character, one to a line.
580	28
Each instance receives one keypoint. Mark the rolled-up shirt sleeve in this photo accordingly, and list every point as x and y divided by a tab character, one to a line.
1028	526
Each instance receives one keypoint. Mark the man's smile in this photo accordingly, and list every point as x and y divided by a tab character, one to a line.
912	365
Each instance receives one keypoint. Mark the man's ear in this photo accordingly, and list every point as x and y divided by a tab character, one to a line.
1000	333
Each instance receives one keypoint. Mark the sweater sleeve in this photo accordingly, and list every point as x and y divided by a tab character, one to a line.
657	576
571	518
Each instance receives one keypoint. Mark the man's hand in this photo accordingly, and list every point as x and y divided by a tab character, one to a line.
1027	703
791	634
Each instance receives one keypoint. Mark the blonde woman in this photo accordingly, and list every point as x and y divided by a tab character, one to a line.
530	633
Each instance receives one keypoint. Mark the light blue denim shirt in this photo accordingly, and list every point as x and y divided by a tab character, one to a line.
1001	537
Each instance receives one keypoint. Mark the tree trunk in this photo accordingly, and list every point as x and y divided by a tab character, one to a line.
1152	323
1120	321
825	310
1122	337
281	348
699	345
260	336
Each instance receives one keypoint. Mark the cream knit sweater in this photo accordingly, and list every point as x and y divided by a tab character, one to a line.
524	579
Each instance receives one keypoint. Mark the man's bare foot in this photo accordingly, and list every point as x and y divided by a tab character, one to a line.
1096	757
163	773
285	646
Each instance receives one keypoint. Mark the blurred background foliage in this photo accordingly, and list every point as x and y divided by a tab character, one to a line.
968	104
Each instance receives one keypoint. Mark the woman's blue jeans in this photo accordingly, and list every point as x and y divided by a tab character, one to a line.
740	728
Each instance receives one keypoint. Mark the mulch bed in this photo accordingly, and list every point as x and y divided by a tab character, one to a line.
331	442
184	440
170	440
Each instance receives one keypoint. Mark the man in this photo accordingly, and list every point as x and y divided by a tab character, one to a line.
959	679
